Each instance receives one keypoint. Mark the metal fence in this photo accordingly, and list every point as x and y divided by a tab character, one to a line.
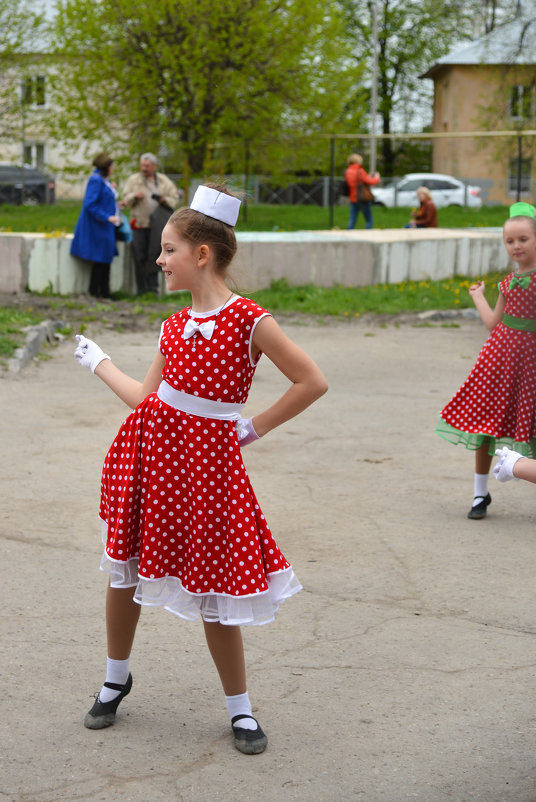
324	190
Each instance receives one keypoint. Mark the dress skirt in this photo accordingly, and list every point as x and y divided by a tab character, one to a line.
181	522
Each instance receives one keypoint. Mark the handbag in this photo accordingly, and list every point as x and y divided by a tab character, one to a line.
364	195
123	232
158	220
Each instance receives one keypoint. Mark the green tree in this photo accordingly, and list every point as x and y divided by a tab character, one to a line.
21	41
412	35
21	27
180	76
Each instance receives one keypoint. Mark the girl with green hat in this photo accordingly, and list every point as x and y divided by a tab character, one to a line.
496	405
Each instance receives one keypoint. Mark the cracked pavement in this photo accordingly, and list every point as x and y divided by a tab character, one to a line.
405	670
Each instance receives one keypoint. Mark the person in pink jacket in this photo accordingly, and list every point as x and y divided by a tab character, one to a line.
360	196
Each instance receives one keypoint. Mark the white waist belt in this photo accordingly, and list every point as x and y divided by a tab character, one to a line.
194	405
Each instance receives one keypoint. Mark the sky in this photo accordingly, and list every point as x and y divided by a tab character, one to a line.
47	5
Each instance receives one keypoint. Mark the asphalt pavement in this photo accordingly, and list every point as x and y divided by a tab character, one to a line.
405	669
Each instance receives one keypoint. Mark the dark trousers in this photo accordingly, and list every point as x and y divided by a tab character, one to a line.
360	206
99	282
147	271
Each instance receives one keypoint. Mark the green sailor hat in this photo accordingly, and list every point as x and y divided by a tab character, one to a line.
522	209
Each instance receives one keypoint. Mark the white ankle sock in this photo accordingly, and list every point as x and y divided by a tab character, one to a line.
480	487
117	672
240	705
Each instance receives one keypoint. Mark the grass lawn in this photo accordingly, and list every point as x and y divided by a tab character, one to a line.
385	299
303	218
12	323
61	217
331	302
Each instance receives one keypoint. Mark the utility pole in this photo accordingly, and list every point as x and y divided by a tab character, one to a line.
374	90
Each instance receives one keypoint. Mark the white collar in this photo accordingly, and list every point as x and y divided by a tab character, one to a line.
216	311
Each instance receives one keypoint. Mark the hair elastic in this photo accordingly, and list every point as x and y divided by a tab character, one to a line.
216	204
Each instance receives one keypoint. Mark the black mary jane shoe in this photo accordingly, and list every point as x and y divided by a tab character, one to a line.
250	742
480	509
102	714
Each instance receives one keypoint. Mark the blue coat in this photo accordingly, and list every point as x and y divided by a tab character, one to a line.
94	236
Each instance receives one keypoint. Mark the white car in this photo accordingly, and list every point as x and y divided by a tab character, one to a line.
445	190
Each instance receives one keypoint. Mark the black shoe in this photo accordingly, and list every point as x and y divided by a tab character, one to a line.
480	509
102	714
250	742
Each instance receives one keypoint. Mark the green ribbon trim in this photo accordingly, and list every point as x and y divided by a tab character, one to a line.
521	323
474	440
522	281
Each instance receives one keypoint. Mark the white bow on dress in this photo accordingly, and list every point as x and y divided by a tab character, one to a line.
191	328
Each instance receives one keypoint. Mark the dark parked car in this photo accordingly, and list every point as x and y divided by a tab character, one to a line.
25	185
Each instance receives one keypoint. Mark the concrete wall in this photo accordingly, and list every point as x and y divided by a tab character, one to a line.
350	258
360	258
39	262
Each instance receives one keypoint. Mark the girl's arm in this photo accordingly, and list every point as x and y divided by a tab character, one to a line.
513	465
490	317
525	468
308	382
129	390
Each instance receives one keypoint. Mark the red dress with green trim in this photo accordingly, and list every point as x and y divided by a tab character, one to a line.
498	398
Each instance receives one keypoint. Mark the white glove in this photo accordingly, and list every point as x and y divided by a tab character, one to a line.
504	469
245	431
88	354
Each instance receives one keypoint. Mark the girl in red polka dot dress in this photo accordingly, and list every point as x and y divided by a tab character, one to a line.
496	405
181	524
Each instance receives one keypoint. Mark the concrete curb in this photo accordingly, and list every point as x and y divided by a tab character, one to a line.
47	331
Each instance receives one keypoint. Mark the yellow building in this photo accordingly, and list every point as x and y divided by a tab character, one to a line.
488	86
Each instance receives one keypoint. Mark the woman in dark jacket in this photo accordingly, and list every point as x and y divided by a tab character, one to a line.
426	214
94	235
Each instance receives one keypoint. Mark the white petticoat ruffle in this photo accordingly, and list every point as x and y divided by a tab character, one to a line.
253	610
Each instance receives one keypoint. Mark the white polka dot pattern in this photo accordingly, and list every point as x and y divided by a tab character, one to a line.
175	492
220	368
498	398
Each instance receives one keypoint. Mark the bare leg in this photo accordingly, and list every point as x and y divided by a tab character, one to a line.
483	458
122	615
482	497
227	650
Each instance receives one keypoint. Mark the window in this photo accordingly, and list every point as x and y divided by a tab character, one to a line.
521	103
440	184
524	187
409	186
33	90
34	154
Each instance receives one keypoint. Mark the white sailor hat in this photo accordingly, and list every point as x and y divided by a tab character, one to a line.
216	204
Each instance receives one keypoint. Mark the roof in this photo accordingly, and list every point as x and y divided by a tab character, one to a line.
510	43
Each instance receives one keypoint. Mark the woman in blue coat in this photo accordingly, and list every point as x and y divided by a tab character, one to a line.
94	235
